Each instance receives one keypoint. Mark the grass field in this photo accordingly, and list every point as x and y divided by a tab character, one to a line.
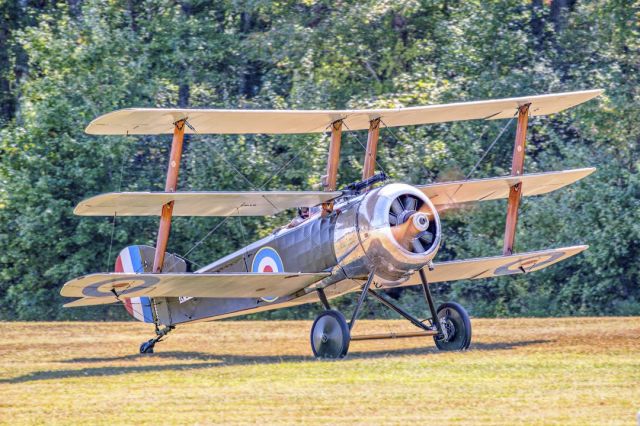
518	371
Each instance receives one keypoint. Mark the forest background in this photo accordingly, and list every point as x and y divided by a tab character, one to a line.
64	63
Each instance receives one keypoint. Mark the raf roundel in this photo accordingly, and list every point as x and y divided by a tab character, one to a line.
267	260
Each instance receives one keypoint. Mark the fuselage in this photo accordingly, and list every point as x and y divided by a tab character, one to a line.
352	241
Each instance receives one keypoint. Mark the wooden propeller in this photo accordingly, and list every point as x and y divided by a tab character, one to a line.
406	233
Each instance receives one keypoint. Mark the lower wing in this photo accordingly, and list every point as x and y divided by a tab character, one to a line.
98	289
485	267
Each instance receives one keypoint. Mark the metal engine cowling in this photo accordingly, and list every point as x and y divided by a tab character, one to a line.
367	234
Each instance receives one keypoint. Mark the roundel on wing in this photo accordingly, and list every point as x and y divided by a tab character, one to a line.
528	264
267	260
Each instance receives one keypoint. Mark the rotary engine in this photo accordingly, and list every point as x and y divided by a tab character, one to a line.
394	229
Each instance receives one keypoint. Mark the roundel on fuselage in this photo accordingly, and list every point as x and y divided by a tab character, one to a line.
267	260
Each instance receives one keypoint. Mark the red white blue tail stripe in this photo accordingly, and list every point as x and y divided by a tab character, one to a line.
130	260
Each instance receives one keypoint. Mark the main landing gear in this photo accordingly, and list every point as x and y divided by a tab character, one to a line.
147	347
449	324
330	335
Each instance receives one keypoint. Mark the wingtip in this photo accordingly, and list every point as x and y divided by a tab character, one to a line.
77	211
596	93
98	126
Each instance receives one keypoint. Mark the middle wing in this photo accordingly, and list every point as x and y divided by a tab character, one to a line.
100	288
257	203
464	191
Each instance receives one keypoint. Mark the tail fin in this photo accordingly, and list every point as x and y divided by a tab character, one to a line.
139	259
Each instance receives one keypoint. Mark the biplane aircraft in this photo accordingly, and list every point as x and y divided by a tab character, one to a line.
366	237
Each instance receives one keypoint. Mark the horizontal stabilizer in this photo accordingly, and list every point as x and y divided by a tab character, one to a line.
262	203
153	121
90	301
99	288
486	267
448	193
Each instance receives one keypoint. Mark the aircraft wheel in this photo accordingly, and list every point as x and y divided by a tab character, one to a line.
330	335
456	325
147	347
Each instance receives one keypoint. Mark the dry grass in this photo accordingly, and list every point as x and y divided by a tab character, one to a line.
531	371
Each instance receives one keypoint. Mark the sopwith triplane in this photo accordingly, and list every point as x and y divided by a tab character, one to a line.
365	237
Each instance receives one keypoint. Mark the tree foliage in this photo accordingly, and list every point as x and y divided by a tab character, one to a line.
62	64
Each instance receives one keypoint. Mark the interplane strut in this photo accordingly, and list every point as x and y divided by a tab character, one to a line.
517	168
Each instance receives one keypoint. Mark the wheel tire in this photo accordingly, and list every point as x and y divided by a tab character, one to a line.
146	347
458	326
330	335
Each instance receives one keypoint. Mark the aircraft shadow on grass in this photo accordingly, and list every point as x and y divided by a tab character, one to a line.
222	360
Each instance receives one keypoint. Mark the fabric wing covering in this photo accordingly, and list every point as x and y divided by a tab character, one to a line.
486	267
272	202
152	121
96	289
448	193
264	203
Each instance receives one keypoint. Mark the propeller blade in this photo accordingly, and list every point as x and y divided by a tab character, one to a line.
426	237
393	219
445	209
411	203
402	234
396	207
424	208
417	246
407	232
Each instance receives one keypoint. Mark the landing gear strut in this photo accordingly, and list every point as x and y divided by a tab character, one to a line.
449	324
147	347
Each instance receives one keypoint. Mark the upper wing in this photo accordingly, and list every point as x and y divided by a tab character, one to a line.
486	267
151	121
263	203
99	288
494	188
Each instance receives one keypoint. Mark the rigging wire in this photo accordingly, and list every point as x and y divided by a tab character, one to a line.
223	221
363	147
238	172
218	225
388	129
113	226
246	180
245	256
489	149
295	157
481	136
113	231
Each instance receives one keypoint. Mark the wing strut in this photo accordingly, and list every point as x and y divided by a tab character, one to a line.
369	167
170	186
517	169
333	161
